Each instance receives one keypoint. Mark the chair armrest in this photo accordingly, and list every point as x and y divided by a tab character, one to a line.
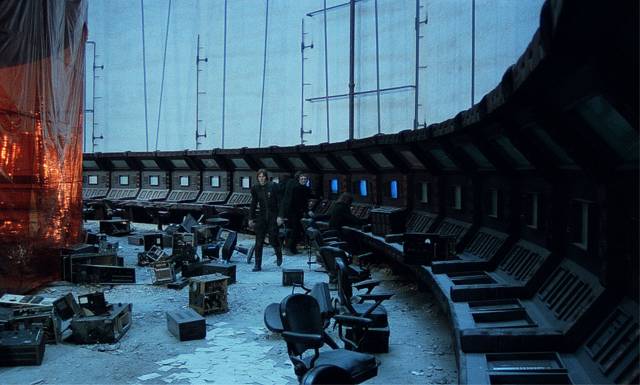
465	293
303	338
496	340
369	284
302	286
361	257
375	296
439	267
394	238
330	233
349	320
330	239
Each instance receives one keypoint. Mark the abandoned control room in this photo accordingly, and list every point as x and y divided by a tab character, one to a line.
319	192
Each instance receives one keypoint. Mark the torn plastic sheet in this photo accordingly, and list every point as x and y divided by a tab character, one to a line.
41	116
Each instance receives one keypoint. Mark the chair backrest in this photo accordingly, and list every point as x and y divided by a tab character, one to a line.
300	313
345	290
320	291
328	256
229	245
327	375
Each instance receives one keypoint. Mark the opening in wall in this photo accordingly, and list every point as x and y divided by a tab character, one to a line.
532	208
334	186
123	180
580	226
93	179
393	189
493	203
423	192
363	188
154	180
456	197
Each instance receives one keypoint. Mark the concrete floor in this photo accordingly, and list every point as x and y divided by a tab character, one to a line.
238	348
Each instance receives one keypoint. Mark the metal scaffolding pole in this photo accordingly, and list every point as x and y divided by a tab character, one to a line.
473	50
352	62
302	84
326	70
92	110
224	71
198	93
264	70
377	65
417	76
144	75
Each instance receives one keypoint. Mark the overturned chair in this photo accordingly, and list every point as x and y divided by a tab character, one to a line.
303	330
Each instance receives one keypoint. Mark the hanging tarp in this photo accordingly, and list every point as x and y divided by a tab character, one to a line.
41	106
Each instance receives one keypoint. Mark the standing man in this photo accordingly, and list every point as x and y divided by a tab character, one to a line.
263	217
294	207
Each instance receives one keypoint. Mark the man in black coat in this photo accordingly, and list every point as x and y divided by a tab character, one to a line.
263	217
294	207
341	214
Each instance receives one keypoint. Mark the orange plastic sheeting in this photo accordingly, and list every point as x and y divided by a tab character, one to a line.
41	106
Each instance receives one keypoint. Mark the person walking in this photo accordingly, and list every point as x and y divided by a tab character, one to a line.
294	206
263	217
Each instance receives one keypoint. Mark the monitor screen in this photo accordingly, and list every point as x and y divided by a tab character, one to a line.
393	189
184	180
334	186
215	181
363	188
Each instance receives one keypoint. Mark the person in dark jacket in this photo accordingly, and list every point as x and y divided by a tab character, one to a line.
341	213
263	217
294	207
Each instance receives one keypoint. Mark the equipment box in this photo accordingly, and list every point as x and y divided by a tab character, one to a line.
21	347
228	269
208	294
103	274
186	324
106	328
292	276
374	340
115	227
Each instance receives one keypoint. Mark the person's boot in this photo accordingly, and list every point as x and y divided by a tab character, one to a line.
258	264
279	257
